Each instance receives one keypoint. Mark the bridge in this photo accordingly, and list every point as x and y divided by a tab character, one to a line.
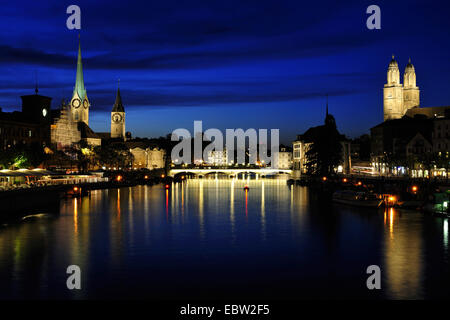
230	172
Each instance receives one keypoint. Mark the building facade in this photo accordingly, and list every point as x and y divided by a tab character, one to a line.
31	125
284	158
398	97
217	157
151	157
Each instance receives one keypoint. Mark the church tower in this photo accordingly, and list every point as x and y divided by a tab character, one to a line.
411	93
118	118
79	104
393	93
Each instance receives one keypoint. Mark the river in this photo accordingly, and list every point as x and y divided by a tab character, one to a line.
210	239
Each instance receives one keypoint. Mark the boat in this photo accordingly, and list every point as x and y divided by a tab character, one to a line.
357	198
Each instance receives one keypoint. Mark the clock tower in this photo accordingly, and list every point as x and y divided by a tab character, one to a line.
118	118
79	104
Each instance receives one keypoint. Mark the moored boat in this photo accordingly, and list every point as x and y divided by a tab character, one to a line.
357	198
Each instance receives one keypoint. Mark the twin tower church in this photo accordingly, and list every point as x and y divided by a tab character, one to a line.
72	123
399	98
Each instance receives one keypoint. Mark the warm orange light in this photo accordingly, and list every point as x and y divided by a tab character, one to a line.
75	188
146	177
414	188
167	186
344	180
324	178
182	178
162	176
359	183
119	178
392	198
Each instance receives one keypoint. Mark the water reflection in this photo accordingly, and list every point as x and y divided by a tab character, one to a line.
403	254
284	238
445	235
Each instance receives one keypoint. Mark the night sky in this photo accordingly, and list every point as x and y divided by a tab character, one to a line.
247	64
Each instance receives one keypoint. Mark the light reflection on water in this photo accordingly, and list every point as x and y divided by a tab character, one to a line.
211	238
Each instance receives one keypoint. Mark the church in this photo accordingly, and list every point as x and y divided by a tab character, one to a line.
70	124
408	131
401	100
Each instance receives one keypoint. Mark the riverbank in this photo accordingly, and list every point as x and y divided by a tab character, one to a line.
35	199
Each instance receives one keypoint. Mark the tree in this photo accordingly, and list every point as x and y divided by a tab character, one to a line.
22	156
115	155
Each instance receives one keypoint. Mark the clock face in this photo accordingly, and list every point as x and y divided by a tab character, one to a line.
44	112
76	103
85	104
116	117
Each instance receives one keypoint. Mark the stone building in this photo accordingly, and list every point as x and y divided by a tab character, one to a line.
155	158
145	155
397	97
285	158
31	125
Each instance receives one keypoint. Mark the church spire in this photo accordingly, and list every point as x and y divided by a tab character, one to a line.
36	90
79	82
118	105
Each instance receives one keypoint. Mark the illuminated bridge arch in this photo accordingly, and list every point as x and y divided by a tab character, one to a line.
202	172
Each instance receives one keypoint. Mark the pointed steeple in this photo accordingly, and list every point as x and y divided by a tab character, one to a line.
36	90
329	119
118	105
79	82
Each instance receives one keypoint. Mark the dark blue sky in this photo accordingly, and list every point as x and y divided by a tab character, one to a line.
248	64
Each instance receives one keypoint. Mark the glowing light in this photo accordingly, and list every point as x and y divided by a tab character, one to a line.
359	183
162	176
414	188
146	177
324	178
75	189
167	186
119	178
344	180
